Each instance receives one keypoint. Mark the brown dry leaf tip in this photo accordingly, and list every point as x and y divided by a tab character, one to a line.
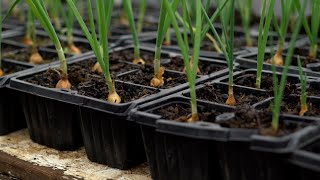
191	66
167	43
35	58
303	109
124	20
157	80
114	98
193	118
139	61
277	59
74	49
97	68
63	83
231	101
28	41
1	72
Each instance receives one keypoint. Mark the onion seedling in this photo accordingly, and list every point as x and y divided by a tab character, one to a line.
31	39
264	27
278	90
282	29
54	7
163	26
313	30
245	8
228	50
128	8
303	82
100	47
142	12
69	21
1	70
41	13
191	69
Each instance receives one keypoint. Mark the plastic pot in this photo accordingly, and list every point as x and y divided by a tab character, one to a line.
250	61
307	159
169	156
115	143
11	114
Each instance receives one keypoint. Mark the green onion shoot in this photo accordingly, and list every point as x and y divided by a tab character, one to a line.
69	21
245	8
278	90
41	13
100	47
282	29
303	82
264	27
128	8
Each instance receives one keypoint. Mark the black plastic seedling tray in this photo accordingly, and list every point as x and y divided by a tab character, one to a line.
174	147
109	138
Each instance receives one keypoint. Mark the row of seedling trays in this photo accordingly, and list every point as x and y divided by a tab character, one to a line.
188	91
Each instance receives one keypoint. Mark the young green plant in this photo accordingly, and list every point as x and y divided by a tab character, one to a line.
245	8
69	21
35	57
303	82
128	8
228	50
54	13
142	12
278	90
312	30
163	27
264	27
282	29
41	13
191	70
100	47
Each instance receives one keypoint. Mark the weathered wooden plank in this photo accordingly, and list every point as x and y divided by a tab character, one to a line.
28	171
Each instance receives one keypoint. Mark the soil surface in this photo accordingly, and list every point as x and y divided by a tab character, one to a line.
10	68
181	112
144	75
82	46
41	40
89	83
247	117
7	48
291	105
213	93
23	55
249	80
170	63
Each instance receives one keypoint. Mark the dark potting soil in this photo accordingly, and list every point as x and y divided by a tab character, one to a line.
170	63
82	46
205	67
7	48
213	93
24	55
41	40
292	105
144	75
10	68
181	112
89	83
247	117
249	80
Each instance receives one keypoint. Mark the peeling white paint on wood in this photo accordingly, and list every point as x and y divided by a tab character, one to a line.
74	163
